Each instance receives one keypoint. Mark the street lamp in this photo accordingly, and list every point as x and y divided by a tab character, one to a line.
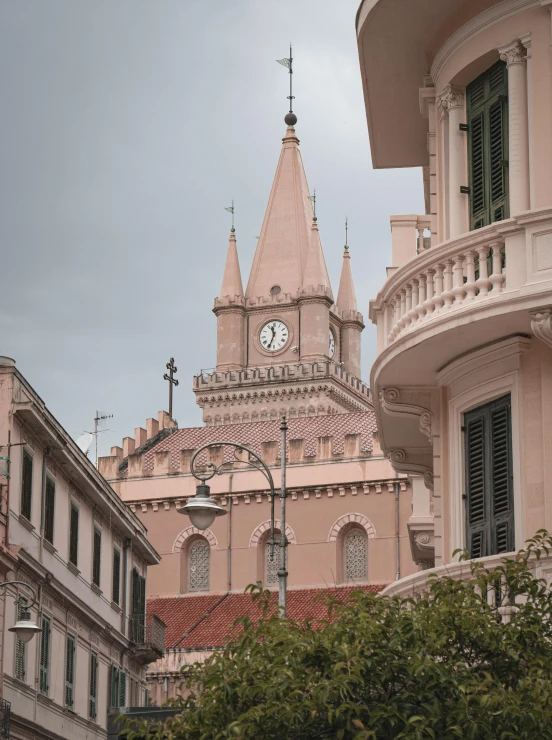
202	509
25	629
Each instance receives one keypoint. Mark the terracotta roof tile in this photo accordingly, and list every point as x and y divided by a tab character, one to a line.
253	434
207	619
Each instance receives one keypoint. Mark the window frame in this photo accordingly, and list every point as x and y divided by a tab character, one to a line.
116	597
49	509
345	534
93	686
26	457
70	656
96	555
190	545
73	555
44	657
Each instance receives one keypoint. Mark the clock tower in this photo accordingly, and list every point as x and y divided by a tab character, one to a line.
284	345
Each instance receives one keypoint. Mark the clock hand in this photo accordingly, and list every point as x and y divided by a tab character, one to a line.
273	336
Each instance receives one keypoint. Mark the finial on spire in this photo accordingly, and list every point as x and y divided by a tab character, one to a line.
230	209
313	198
290	118
346	234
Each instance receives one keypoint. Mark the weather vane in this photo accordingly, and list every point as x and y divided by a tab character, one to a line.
313	198
291	118
346	232
230	209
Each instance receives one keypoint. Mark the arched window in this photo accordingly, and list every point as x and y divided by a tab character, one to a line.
199	561
355	555
272	565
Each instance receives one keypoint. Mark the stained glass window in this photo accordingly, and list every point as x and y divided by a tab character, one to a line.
199	556
355	556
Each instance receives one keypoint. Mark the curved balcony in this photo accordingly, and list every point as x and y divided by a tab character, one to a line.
454	297
418	583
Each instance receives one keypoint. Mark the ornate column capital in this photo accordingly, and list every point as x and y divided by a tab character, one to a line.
451	97
513	53
541	324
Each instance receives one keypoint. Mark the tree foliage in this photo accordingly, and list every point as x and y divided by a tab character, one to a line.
470	659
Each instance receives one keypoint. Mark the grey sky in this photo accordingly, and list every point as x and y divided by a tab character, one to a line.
127	127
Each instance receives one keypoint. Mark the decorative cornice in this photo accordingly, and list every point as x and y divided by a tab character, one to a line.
513	53
541	324
451	97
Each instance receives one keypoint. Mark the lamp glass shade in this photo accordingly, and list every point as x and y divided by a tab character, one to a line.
201	518
25	629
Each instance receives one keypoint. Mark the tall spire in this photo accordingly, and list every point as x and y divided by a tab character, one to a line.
346	298
284	241
231	281
316	272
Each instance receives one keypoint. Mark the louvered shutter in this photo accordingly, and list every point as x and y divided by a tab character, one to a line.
114	686
93	689
19	644
69	670
116	575
96	557
44	655
487	113
489	489
49	510
74	536
122	688
26	485
502	523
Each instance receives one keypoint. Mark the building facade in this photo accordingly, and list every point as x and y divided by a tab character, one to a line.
462	384
85	555
284	346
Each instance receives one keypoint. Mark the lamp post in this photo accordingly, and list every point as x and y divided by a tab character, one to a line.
202	509
25	629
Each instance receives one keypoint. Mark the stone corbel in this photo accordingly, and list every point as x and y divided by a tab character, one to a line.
413	464
422	541
541	324
392	405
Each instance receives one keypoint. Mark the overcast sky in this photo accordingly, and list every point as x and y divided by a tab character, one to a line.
127	127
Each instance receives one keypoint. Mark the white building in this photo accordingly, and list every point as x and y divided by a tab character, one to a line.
85	554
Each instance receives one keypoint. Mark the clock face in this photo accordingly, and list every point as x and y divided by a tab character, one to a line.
332	344
273	336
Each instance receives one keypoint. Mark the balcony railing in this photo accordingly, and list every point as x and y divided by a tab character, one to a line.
5	714
147	632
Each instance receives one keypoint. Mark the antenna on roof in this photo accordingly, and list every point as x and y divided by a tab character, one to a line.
99	420
313	198
346	234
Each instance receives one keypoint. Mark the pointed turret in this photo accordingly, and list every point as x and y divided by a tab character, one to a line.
346	298
230	312
316	272
231	280
284	241
352	322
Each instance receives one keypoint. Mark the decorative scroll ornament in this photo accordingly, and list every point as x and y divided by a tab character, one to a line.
514	53
541	324
391	401
451	97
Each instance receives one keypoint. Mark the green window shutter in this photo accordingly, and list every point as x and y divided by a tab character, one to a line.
97	557
74	536
20	652
489	490
487	113
49	510
122	688
146	698
116	575
69	670
27	485
93	688
44	655
114	686
502	524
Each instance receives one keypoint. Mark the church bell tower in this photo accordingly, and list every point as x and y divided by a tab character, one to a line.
284	345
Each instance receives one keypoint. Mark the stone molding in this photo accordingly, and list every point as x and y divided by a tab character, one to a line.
353	518
513	53
421	532
413	463
541	324
265	527
180	541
